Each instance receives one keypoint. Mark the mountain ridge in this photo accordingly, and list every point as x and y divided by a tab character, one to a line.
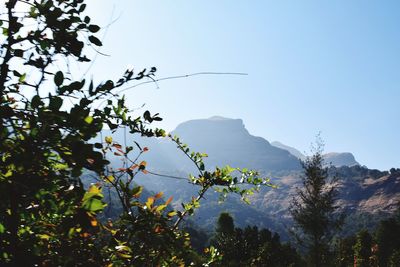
362	191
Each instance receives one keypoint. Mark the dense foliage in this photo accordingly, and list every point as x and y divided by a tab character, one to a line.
48	121
251	246
379	247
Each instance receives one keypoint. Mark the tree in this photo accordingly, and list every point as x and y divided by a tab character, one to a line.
225	240
225	224
48	119
362	248
251	246
388	239
314	211
344	251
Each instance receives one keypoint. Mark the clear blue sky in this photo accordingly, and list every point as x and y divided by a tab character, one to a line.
329	66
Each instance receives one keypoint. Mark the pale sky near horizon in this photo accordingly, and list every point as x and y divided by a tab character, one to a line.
329	66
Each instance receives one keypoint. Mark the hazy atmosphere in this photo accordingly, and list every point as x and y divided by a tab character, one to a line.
312	66
199	133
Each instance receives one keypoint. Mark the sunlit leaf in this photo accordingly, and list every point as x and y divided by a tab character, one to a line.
172	213
143	163
149	202
108	139
22	78
94	190
158	195
169	200
160	208
93	205
110	178
43	236
89	119
93	221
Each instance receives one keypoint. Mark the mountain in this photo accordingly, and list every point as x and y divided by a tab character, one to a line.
227	141
291	150
340	159
332	158
365	195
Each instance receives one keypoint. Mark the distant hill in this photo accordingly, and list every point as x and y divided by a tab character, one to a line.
363	192
332	158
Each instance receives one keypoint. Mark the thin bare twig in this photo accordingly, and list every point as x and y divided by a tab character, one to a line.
172	78
182	76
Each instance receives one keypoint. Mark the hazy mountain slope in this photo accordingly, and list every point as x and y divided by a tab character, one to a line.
363	192
340	159
291	150
227	141
333	158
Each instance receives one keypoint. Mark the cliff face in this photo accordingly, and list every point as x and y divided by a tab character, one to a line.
227	141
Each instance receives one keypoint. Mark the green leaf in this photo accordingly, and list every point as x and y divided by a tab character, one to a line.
58	78
93	28
108	139
16	73
98	145
43	236
93	205
89	119
201	166
36	101
172	213
22	78
136	191
147	116
94	40
18	52
161	208
2	228
110	179
55	103
82	7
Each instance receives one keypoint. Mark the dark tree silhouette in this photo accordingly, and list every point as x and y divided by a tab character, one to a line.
314	211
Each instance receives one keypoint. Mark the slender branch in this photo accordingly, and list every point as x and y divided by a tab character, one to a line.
170	78
181	77
102	39
169	176
10	40
200	196
183	150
